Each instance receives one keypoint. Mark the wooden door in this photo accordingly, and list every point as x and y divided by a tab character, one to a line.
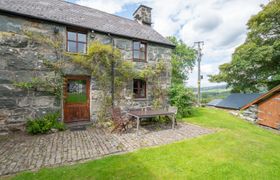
269	112
76	99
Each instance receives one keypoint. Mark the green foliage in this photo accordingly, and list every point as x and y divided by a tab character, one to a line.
255	64
182	98
49	84
55	42
183	60
54	83
153	74
44	124
26	85
100	60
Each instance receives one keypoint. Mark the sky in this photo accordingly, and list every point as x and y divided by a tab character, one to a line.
221	24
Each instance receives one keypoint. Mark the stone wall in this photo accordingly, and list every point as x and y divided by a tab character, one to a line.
21	61
250	114
155	53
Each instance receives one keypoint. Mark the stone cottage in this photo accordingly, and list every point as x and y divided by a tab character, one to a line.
22	60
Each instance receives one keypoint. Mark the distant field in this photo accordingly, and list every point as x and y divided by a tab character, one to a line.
215	92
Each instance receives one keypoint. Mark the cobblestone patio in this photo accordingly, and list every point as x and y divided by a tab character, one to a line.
23	152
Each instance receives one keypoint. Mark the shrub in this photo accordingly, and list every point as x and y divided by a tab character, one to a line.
182	98
44	124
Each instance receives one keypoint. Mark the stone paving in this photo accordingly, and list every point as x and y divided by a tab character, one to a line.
24	152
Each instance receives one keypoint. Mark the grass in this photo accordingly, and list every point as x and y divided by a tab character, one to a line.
238	150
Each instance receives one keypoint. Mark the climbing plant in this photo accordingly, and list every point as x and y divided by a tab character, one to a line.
54	83
100	59
156	76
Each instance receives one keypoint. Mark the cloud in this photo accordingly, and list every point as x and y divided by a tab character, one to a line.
221	24
207	22
231	37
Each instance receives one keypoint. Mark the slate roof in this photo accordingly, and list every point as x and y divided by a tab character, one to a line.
72	14
237	100
214	102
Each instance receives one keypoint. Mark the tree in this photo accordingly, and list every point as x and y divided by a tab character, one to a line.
256	63
183	61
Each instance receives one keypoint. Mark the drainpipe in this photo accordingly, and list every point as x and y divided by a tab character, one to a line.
113	72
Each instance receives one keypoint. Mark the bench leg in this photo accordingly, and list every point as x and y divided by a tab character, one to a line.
173	121
138	123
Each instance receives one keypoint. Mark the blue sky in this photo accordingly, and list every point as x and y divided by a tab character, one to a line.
221	24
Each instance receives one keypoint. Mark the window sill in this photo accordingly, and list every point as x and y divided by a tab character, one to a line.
137	60
74	53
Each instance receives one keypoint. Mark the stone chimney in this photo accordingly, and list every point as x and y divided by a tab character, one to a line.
143	15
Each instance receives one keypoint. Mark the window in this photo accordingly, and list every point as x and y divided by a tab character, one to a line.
139	51
139	88
76	91
76	42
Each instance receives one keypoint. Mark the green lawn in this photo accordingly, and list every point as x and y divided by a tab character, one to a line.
238	150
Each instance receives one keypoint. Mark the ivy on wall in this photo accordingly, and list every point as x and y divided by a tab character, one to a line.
99	60
52	83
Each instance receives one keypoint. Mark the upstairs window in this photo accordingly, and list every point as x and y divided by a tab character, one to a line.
139	51
76	42
139	88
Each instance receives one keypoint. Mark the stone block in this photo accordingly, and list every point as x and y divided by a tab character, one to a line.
16	127
73	69
7	103
10	24
22	111
13	40
96	94
16	119
3	64
24	102
4	115
43	101
42	111
6	90
24	76
95	106
7	77
26	61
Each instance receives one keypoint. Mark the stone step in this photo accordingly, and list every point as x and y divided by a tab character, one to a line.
78	126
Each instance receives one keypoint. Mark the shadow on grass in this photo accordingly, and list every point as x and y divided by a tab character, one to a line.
195	113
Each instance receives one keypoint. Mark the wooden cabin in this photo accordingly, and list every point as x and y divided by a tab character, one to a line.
268	108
